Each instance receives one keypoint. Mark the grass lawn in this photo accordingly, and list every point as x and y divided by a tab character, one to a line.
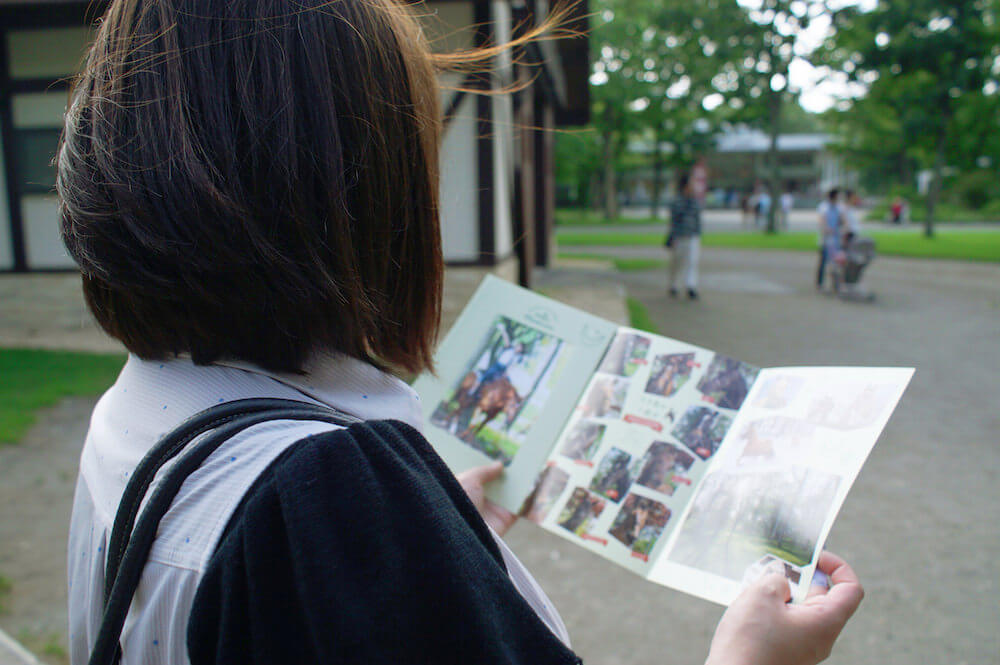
973	245
638	316
573	217
32	379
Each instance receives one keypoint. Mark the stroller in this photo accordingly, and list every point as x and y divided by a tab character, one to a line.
849	265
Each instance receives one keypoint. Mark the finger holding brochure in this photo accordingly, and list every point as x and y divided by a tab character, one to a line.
688	467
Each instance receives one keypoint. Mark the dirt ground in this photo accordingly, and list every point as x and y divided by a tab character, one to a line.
919	526
37	479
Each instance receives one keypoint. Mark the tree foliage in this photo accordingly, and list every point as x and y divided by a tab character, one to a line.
671	73
933	71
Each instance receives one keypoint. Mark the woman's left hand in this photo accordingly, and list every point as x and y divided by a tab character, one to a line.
474	482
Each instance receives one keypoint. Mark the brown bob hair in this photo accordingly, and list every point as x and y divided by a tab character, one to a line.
257	179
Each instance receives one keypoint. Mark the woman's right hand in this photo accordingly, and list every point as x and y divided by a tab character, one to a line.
762	628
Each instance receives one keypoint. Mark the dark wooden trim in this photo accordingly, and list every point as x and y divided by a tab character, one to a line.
52	15
545	182
523	211
481	263
481	16
53	271
13	202
22	86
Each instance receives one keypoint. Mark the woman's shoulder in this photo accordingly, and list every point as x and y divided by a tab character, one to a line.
363	540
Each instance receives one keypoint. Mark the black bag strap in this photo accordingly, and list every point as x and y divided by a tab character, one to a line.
132	534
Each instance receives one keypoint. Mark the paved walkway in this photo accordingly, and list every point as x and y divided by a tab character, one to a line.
920	523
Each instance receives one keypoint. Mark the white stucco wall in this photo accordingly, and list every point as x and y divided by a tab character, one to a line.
503	137
40	211
459	181
448	27
48	53
42	244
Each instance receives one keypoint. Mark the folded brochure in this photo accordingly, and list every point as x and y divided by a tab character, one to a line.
688	467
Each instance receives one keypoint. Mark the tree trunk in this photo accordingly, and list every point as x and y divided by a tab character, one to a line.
935	189
593	190
609	177
775	99
654	205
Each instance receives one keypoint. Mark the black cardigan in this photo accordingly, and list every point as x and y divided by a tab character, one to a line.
359	546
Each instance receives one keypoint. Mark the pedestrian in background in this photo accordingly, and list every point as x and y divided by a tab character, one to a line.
763	207
684	238
787	201
830	221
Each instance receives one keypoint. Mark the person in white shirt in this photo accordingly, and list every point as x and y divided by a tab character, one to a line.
251	195
852	215
787	201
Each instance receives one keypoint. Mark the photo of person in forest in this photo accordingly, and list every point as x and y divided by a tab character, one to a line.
727	382
579	510
625	355
702	429
764	440
639	523
736	518
663	467
669	373
613	477
777	392
861	409
503	390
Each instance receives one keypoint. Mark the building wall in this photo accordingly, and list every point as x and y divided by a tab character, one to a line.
450	28
40	60
503	129
40	115
459	178
37	63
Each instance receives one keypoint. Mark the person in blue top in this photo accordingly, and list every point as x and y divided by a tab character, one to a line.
510	354
830	221
684	238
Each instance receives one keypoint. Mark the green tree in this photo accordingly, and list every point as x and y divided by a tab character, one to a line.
934	64
653	66
764	47
738	58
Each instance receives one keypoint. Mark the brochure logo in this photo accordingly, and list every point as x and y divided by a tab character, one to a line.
592	336
542	318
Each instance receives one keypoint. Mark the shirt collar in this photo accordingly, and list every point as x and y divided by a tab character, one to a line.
350	385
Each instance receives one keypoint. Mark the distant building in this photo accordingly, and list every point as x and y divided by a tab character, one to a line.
497	172
805	163
738	163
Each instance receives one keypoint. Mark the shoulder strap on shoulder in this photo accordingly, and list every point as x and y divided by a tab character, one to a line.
132	535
